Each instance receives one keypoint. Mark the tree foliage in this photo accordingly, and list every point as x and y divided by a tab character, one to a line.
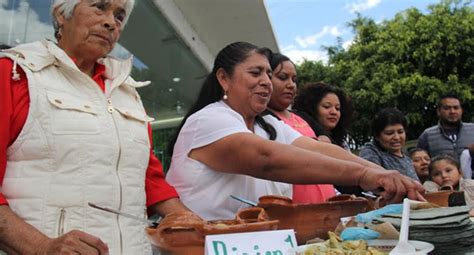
406	62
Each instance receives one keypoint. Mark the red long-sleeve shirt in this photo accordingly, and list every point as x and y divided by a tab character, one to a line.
14	106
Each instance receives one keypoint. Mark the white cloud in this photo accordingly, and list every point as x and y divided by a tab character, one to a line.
313	39
347	43
288	48
298	56
362	5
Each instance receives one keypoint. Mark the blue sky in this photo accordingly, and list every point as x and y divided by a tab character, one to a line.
302	27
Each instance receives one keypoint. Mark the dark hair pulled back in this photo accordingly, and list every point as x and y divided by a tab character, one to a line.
211	91
276	59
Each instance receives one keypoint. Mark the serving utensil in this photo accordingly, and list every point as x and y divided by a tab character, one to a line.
243	200
369	194
403	246
150	223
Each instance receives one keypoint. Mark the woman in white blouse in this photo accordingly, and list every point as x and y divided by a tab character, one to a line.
225	147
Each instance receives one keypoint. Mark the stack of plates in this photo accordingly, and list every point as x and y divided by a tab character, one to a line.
449	228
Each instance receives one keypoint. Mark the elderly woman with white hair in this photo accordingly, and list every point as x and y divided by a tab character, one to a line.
73	132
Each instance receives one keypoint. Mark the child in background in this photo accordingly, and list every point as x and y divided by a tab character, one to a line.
445	171
421	160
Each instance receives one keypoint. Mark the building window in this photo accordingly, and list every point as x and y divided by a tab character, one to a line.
160	56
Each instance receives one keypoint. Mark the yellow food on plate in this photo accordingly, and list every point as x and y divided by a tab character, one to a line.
335	246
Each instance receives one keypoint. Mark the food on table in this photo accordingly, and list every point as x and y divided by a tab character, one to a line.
335	246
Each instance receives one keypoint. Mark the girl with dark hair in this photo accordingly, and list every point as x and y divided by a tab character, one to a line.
327	110
226	147
445	171
386	150
284	92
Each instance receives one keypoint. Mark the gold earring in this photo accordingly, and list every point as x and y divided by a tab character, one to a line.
59	33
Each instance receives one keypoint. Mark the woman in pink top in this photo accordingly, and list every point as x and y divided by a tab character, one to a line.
284	91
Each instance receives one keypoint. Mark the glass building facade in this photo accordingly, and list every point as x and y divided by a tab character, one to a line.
160	56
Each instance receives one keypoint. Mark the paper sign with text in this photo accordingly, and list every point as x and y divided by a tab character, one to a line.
276	242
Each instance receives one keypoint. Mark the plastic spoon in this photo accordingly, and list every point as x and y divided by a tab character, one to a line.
403	246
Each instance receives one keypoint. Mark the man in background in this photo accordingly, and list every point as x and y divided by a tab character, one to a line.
450	135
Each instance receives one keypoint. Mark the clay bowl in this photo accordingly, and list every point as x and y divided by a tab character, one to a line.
186	234
178	233
446	198
311	220
440	197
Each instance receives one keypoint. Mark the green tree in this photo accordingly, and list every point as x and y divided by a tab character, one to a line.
406	62
309	71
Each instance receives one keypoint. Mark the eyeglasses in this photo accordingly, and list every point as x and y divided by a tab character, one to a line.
449	107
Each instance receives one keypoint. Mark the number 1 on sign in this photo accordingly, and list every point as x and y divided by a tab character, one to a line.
274	242
288	240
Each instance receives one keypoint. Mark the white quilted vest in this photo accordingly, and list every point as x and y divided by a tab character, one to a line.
79	145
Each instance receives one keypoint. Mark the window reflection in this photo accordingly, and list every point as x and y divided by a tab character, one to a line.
159	55
24	21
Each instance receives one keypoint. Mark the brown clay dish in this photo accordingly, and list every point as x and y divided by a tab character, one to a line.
185	233
311	220
446	198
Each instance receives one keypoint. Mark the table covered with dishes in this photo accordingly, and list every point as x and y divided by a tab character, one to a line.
342	225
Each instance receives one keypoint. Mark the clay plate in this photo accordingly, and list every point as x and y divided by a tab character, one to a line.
311	220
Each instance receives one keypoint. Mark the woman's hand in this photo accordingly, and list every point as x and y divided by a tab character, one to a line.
74	242
19	237
394	185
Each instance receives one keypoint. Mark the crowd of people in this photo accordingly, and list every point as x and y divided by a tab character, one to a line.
74	131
